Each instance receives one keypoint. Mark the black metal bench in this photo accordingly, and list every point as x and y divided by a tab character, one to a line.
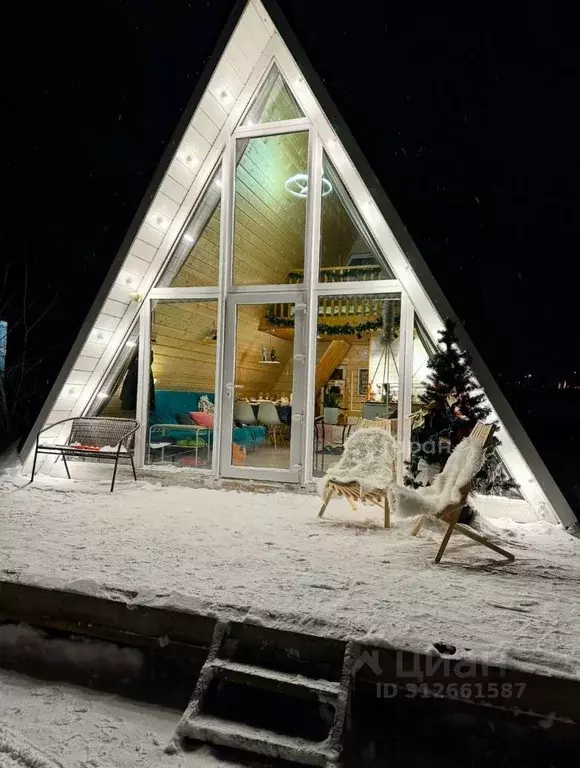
88	436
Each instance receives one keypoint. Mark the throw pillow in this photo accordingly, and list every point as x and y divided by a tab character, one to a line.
202	419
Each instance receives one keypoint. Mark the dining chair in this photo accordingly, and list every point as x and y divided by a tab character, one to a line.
268	416
244	412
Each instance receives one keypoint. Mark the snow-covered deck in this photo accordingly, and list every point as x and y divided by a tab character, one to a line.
269	559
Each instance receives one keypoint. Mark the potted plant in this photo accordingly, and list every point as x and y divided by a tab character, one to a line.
331	401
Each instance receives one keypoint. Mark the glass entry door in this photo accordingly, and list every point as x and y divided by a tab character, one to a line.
263	387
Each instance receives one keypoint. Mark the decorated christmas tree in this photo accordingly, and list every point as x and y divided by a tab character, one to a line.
451	406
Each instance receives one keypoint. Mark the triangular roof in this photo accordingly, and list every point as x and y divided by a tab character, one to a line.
256	36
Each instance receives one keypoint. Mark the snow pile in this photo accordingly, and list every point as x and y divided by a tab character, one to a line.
89	729
267	558
10	463
15	752
74	651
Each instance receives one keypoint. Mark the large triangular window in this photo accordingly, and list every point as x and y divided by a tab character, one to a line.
195	260
347	250
274	102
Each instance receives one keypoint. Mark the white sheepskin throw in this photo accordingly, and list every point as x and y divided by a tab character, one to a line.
463	464
367	459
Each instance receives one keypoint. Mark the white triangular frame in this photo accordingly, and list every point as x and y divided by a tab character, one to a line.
193	156
261	93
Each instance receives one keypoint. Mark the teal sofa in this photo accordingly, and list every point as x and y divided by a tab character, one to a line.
169	403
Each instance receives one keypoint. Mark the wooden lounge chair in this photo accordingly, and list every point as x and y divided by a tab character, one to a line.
449	515
353	491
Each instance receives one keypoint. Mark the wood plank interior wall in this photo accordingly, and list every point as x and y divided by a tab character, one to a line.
253	376
356	358
184	358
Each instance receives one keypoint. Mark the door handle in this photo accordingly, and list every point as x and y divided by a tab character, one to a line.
231	387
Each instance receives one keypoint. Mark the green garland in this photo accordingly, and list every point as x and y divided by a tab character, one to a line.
347	329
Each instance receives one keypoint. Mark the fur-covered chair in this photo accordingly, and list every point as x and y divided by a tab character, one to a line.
365	472
443	500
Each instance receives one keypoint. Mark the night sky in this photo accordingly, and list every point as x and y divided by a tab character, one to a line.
469	118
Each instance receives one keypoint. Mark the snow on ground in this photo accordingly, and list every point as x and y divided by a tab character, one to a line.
268	558
78	727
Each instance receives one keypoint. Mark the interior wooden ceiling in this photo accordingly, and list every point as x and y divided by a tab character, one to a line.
269	228
201	266
269	234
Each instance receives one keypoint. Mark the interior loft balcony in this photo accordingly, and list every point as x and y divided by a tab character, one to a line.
359	316
342	274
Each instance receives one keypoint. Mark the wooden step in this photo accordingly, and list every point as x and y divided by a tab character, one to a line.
235	670
249	706
246	737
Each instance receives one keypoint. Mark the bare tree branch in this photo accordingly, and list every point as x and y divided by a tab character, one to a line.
19	379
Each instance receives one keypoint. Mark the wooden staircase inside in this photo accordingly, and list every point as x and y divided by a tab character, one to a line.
330	360
277	694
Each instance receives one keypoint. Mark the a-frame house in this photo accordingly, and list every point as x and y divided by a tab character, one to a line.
258	270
